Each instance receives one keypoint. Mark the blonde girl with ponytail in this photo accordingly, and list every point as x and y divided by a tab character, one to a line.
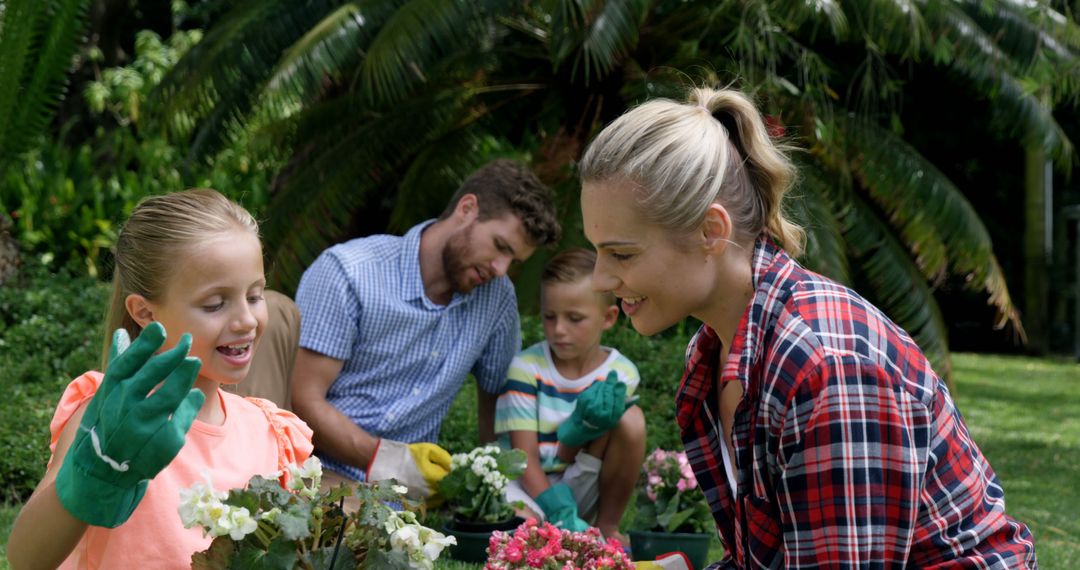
816	427
186	316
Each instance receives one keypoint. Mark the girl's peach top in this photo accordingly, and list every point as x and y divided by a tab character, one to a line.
257	438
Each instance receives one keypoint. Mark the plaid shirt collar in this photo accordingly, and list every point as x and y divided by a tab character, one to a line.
696	402
769	264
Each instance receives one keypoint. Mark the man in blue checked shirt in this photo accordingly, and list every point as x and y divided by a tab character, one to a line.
390	327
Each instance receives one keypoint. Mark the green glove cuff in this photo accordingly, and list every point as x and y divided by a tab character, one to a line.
560	508
112	505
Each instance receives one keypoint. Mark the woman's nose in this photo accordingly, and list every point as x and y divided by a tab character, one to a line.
602	280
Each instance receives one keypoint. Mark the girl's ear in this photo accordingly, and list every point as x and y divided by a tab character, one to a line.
140	309
716	229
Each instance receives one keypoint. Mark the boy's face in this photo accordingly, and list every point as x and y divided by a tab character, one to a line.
574	318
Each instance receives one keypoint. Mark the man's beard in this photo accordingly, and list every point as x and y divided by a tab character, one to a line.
453	257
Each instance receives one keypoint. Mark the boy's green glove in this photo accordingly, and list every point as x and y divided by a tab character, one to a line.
560	508
596	411
127	437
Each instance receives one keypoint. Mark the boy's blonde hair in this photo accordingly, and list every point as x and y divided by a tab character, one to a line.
159	229
573	265
685	156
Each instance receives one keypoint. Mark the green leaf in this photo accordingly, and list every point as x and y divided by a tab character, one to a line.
280	556
678	519
320	559
293	521
218	557
511	463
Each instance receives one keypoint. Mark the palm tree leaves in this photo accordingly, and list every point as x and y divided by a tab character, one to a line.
935	221
595	34
389	103
37	42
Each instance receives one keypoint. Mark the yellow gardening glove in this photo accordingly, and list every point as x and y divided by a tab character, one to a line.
418	466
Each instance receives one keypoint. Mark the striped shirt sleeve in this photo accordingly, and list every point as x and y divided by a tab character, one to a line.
516	408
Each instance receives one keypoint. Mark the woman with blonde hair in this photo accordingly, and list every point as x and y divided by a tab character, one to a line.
816	427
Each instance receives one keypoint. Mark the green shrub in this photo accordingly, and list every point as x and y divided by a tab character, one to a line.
50	332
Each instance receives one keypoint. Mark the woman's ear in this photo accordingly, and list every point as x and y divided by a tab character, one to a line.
140	309
716	229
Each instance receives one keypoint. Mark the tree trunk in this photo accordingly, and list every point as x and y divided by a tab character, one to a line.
1038	199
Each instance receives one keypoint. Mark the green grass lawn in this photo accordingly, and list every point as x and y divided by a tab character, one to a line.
1025	415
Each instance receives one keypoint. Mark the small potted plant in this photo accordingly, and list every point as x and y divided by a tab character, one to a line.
475	490
543	545
299	527
672	515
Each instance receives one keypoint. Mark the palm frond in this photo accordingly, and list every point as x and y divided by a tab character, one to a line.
434	175
329	50
211	90
894	284
413	38
934	219
37	42
890	26
351	166
595	34
814	204
1018	105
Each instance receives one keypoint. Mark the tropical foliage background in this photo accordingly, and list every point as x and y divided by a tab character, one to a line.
935	140
333	119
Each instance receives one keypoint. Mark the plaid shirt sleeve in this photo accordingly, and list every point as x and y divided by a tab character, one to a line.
851	453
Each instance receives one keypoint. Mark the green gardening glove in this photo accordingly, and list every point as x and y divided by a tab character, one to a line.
560	508
126	436
596	411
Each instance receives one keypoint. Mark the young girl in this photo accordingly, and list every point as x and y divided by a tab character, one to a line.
188	287
814	424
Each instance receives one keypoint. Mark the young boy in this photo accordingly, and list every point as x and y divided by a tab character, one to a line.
565	403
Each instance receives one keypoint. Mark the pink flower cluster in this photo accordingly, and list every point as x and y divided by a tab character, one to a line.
544	546
667	470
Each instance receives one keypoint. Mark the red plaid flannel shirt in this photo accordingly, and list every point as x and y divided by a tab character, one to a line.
849	452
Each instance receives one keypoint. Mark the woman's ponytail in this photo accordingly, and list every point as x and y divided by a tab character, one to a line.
771	173
685	156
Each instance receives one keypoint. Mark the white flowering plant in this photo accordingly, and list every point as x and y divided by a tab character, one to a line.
476	485
298	526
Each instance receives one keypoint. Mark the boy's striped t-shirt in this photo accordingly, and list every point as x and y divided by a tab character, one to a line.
536	397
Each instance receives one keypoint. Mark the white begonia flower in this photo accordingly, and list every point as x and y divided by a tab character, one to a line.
400	489
242	523
295	482
405	539
312	468
434	544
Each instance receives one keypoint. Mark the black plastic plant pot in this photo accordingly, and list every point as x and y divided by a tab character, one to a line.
473	537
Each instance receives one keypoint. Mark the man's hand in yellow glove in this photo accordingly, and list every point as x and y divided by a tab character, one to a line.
418	466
